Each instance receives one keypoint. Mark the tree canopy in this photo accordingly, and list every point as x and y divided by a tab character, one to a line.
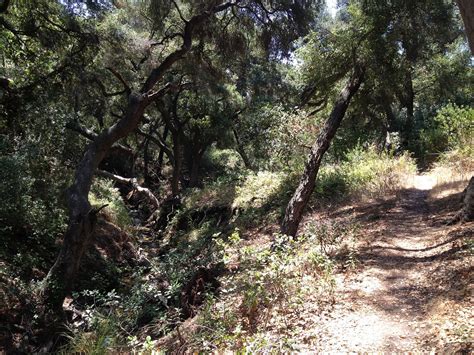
174	120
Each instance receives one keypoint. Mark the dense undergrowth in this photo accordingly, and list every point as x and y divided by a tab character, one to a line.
219	258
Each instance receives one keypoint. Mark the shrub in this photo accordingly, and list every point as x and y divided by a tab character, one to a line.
102	193
32	215
452	128
364	172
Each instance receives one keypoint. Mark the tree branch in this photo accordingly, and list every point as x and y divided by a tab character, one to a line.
143	191
159	142
91	135
128	90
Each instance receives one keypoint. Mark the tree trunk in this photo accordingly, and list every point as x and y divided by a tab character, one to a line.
162	151
241	150
178	162
469	202
466	7
409	103
82	217
466	214
295	208
194	176
146	159
61	276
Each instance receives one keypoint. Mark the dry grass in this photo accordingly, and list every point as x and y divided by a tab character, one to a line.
451	173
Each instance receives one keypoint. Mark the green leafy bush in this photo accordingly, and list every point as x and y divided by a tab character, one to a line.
102	193
32	214
452	128
364	172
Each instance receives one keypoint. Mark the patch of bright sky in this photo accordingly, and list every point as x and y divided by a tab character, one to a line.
332	7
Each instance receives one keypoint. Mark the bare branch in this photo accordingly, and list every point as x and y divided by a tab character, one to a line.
83	131
196	20
143	191
104	91
179	11
159	142
121	79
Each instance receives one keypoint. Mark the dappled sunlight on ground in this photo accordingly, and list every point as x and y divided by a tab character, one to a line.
410	264
424	182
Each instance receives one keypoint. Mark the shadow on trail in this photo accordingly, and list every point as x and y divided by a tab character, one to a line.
408	256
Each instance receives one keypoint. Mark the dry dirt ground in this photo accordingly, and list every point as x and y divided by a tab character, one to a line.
412	290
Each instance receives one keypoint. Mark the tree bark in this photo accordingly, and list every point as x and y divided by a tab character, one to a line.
466	7
469	202
241	150
178	162
142	191
466	214
60	278
162	150
82	217
297	204
196	163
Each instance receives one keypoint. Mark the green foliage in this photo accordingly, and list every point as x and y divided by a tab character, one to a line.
271	282
224	162
364	172
102	337
103	193
31	213
452	128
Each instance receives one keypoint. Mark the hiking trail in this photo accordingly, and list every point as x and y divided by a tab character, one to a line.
388	303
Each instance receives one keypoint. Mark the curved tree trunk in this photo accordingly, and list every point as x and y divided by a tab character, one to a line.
196	164
82	217
241	150
466	7
295	208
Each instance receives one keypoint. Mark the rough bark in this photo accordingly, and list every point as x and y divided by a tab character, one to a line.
466	7
162	150
466	214
82	217
469	202
178	163
297	204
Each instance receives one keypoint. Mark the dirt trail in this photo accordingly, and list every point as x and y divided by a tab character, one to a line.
387	304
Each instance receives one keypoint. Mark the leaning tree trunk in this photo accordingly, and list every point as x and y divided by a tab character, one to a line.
82	217
194	175
295	208
466	8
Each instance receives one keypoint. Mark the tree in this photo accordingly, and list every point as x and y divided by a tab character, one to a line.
192	20
82	217
466	8
394	35
467	11
299	200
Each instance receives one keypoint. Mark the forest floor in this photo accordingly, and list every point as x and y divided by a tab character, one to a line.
410	288
413	287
